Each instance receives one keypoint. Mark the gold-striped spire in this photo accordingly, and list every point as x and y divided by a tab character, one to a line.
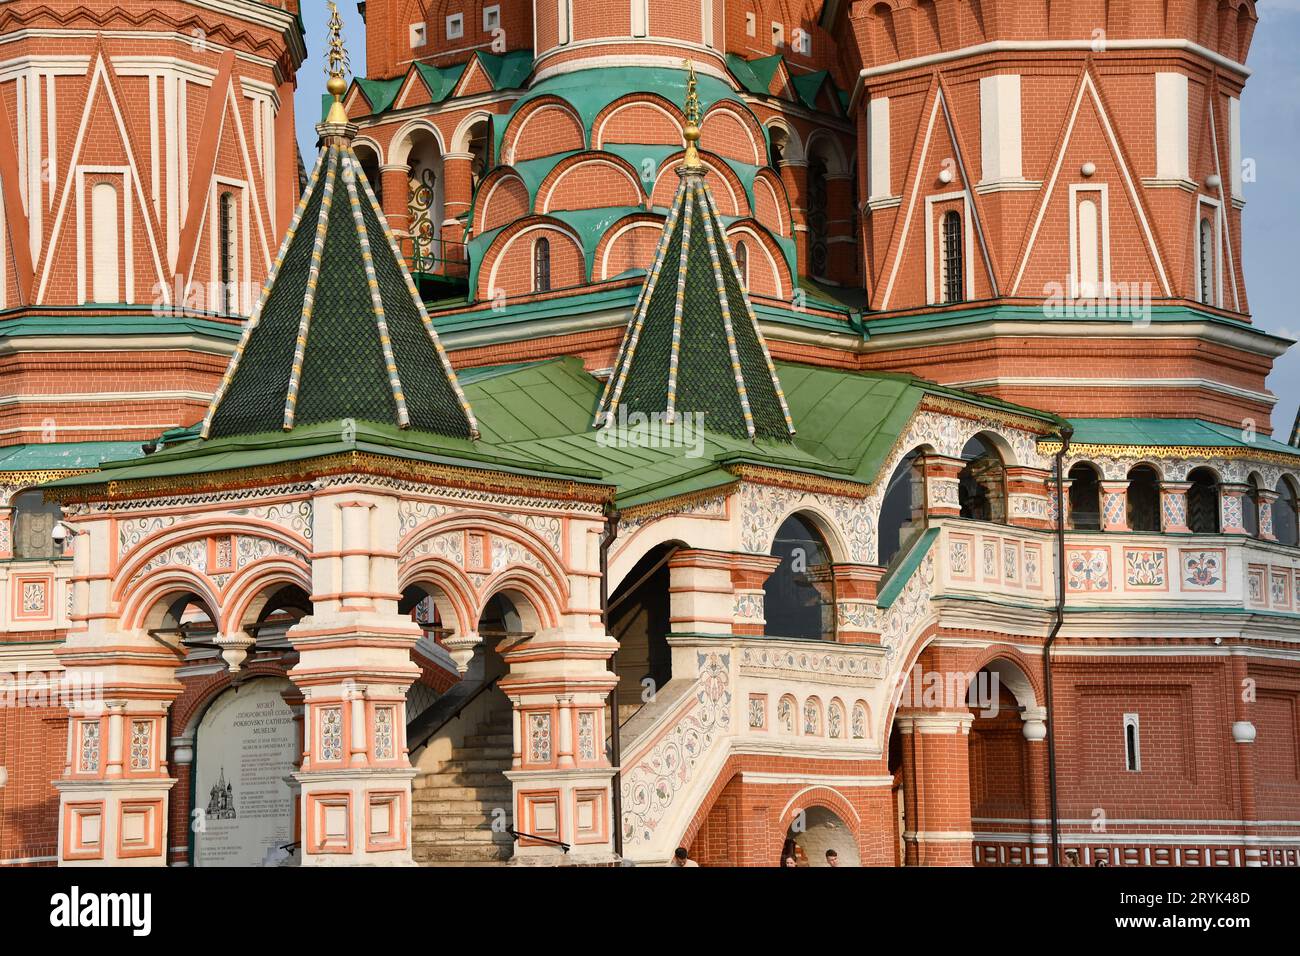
692	130
337	66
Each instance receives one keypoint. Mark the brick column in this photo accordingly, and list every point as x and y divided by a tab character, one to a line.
1232	502
748	574
115	787
559	684
1028	494
1034	729
354	668
941	500
701	595
794	176
1266	499
1114	505
396	192
458	191
936	760
856	586
1243	738
6	533
1173	506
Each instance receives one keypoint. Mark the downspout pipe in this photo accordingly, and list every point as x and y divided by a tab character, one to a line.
1058	618
615	744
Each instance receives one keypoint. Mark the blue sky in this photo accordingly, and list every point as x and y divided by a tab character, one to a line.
1270	136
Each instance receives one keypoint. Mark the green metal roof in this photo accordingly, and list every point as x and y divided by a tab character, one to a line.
58	456
1171	432
340	331
125	320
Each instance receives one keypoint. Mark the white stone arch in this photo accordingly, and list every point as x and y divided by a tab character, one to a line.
653	101
525	537
820	518
145	606
202	529
248	592
630	547
367	142
794	151
1013	675
747	120
447	585
1155	464
542	203
825	144
399	149
460	139
533	597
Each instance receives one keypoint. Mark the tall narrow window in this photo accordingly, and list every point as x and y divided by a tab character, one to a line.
1203	502
817	216
1250	507
1207	261
1285	508
565	20
104	244
1089	258
951	259
542	265
742	262
1132	744
227	291
1143	499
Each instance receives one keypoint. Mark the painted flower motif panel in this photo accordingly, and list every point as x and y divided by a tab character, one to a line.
1203	569
88	762
539	738
331	733
757	713
859	722
785	715
384	749
812	718
835	721
141	744
586	735
1144	568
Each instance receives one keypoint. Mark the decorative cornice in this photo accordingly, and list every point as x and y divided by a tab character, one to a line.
1050	447
974	410
367	463
800	481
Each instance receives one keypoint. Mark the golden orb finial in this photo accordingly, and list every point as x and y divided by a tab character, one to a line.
337	66
692	129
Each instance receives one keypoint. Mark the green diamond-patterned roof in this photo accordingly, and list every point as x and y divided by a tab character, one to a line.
340	331
693	344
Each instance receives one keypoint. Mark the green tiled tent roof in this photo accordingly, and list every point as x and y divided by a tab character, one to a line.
340	331
693	344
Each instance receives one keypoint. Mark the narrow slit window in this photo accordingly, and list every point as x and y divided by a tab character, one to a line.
952	279
542	265
227	300
1132	744
1207	261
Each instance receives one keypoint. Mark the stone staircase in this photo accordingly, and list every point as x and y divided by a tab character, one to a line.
453	806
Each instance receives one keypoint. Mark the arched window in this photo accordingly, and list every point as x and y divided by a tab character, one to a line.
1250	507
742	262
779	140
1085	498
1206	258
34	519
1143	499
799	599
1286	514
981	485
818	250
105	239
542	265
951	261
902	510
228	287
1203	502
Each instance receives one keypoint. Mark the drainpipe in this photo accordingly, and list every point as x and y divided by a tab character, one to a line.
1066	433
615	744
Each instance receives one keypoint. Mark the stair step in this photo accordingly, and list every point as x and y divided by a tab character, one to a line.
475	760
453	855
495	795
505	739
458	837
480	818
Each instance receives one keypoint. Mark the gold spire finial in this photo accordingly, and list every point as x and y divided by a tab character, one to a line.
692	130
336	65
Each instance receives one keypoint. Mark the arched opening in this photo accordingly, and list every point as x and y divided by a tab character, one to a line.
34	523
369	159
1286	513
1203	501
1250	507
902	509
425	201
1085	498
639	616
778	144
284	608
817	219
819	837
105	239
799	596
1143	499
462	744
952	272
742	263
999	765
542	265
982	483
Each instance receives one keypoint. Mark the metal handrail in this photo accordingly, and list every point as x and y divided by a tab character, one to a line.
436	257
541	839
